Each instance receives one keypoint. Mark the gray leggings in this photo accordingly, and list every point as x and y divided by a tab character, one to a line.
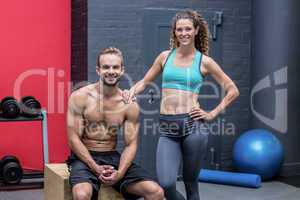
171	151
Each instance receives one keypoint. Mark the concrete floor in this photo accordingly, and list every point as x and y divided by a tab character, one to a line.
269	191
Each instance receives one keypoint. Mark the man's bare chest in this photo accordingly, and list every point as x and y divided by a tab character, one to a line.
110	113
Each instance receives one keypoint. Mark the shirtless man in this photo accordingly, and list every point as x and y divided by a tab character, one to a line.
95	114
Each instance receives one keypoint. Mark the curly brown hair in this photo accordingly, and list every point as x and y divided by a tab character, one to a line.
201	39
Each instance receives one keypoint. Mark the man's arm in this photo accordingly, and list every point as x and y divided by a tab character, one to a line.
75	128
131	129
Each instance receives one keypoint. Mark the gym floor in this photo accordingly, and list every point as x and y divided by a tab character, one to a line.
274	190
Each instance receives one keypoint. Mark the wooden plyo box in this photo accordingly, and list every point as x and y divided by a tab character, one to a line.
56	185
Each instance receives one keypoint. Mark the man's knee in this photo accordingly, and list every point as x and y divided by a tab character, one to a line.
82	192
154	192
159	193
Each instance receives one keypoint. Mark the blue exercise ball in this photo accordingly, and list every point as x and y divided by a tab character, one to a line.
259	152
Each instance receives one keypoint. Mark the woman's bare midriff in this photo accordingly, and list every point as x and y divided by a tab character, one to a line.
175	101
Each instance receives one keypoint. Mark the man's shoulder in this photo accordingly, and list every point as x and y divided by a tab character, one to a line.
79	96
133	106
132	110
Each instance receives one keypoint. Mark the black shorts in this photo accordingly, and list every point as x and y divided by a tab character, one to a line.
80	172
179	125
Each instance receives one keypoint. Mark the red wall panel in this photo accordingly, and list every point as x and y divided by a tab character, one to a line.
35	48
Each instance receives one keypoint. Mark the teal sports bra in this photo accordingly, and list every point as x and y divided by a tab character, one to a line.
182	78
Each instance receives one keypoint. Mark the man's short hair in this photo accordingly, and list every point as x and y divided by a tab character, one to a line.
110	50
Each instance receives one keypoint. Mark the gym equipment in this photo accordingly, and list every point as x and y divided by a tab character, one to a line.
11	170
258	151
230	178
10	107
32	178
30	107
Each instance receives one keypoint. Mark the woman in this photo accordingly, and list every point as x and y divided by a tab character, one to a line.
183	68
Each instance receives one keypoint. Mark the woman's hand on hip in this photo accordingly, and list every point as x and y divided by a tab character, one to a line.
199	114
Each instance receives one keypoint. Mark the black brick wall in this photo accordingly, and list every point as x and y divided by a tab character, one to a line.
79	41
119	23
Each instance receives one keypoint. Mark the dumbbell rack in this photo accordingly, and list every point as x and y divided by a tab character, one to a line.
31	174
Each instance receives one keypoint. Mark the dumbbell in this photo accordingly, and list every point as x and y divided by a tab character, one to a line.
30	107
11	170
10	107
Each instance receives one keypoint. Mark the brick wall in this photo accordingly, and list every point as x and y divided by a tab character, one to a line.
79	41
119	23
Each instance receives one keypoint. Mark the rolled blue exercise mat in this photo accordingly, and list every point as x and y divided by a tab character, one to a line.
230	178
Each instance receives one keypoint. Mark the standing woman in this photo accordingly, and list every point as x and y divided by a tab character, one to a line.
182	136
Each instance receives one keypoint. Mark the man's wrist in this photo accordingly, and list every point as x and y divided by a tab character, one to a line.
120	174
93	166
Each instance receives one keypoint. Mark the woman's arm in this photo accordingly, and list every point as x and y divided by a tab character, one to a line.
209	66
150	76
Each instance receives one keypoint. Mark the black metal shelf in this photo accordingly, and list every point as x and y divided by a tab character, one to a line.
31	178
21	118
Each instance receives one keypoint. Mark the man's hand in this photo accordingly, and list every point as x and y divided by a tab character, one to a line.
110	178
104	169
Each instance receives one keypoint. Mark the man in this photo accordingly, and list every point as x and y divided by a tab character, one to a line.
95	114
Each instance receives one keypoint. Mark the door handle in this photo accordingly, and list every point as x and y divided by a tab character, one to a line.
217	21
212	156
213	162
151	98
